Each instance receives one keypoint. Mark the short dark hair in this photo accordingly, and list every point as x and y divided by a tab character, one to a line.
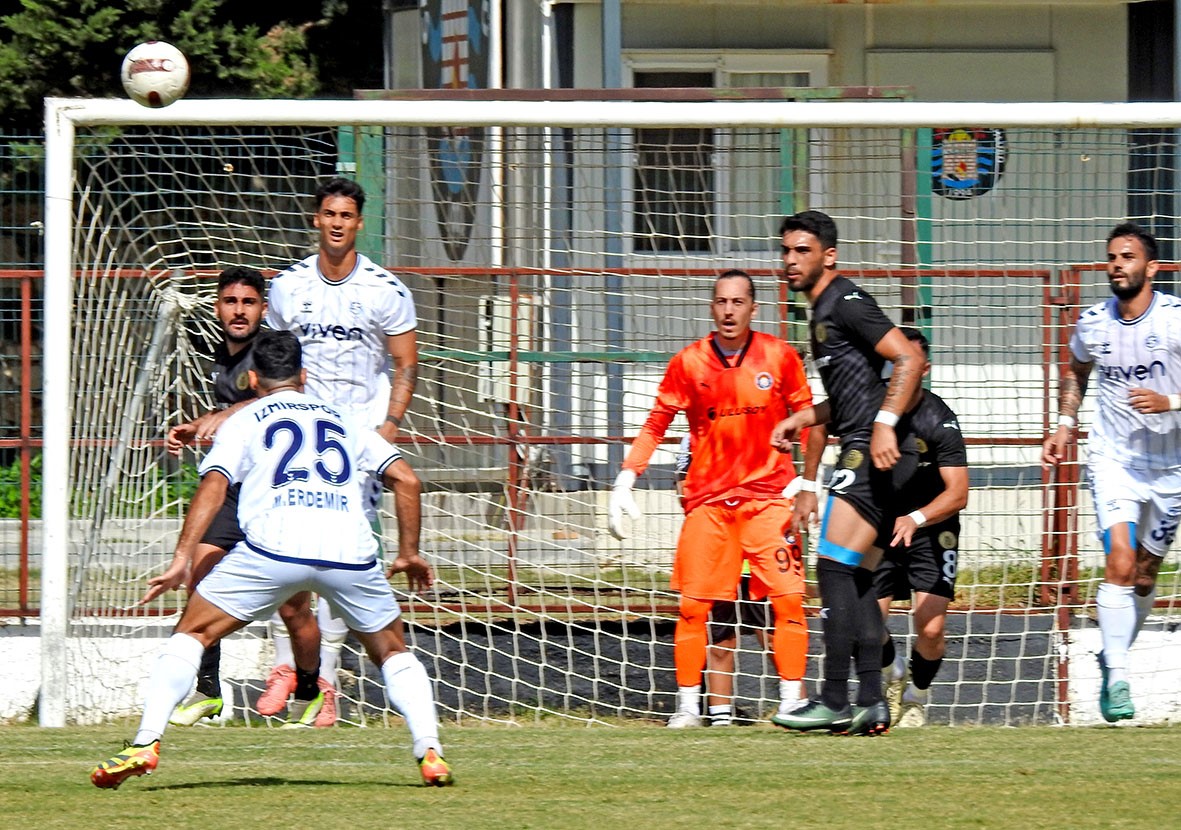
277	356
1147	240
814	222
241	275
341	187
915	336
738	274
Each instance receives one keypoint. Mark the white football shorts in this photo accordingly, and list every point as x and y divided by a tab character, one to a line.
1149	499
249	586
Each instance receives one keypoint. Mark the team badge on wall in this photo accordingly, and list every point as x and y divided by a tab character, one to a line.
455	56
966	163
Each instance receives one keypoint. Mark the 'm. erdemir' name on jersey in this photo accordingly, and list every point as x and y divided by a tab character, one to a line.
1129	354
342	327
301	464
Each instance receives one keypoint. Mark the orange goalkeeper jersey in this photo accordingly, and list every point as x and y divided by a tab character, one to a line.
732	404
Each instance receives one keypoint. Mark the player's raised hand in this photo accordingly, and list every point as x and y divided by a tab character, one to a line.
178	437
170	580
208	424
622	501
419	576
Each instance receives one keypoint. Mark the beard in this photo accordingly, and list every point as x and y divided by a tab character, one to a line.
1133	286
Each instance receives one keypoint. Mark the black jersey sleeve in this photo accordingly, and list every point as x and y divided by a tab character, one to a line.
861	318
946	438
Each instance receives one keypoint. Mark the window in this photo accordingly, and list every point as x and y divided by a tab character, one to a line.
707	191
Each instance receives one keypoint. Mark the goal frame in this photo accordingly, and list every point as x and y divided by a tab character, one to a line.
63	116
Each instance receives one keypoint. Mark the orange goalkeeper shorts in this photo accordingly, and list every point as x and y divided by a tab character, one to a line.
717	536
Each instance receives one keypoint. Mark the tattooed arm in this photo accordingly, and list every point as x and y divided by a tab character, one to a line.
403	350
1071	390
905	378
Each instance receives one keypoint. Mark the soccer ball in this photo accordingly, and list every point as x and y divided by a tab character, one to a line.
155	73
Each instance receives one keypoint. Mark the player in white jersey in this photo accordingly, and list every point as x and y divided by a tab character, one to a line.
1134	462
299	462
353	319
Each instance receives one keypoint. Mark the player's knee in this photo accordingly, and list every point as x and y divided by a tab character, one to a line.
1144	584
789	608
695	611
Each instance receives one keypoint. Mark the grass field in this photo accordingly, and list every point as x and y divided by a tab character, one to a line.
558	775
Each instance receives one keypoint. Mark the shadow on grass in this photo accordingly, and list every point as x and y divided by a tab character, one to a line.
271	781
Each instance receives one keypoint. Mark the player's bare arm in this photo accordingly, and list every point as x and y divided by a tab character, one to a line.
951	501
1071	390
211	492
806	510
403	481
905	377
787	431
403	349
199	429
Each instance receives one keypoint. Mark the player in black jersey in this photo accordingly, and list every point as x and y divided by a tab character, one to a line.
239	307
924	550
851	340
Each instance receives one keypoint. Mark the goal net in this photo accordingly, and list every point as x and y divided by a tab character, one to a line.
559	253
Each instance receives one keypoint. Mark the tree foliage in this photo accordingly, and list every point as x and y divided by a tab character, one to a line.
74	48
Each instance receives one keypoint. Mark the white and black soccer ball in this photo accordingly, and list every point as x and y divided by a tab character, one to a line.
155	73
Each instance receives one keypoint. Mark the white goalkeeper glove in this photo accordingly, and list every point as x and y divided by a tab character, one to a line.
622	502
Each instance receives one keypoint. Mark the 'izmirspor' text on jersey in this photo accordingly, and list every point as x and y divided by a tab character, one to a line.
1129	354
301	463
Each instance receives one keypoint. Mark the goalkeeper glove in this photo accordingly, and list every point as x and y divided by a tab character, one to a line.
621	502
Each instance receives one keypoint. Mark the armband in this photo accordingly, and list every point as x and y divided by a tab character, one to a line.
808	485
394	419
887	418
1174	402
1067	421
917	517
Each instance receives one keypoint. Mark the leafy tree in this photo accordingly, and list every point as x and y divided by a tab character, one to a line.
74	48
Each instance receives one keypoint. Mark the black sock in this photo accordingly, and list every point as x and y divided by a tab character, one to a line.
208	676
869	630
838	595
306	686
922	670
888	652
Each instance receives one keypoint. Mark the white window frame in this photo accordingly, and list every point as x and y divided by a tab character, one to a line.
723	64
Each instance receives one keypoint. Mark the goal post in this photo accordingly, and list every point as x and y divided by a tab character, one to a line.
559	252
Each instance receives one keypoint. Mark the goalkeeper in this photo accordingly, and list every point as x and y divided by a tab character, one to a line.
733	386
924	549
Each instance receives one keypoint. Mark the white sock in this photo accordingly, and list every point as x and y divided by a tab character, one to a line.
914	694
172	677
689	699
1143	609
284	656
408	689
898	667
790	690
721	715
333	633
1117	622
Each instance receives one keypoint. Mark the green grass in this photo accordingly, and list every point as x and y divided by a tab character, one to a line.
558	775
